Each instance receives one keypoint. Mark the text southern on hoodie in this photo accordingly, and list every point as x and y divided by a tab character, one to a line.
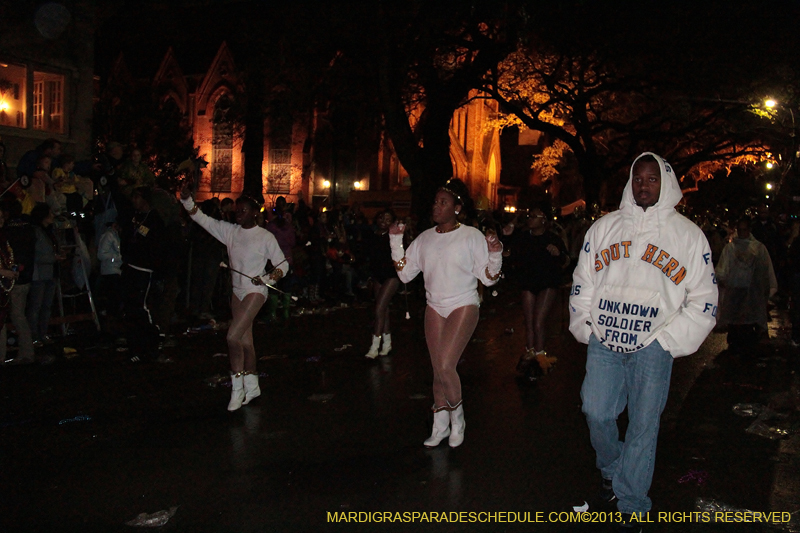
645	276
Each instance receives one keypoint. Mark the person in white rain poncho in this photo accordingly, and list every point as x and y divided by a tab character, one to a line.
643	293
747	282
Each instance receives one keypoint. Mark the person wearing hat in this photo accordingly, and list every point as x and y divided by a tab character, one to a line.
250	247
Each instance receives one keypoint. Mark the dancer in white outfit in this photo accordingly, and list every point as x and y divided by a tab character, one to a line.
249	249
452	258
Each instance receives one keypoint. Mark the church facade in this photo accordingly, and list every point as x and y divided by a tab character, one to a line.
299	161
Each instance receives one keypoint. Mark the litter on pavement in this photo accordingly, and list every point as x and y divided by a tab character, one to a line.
156	519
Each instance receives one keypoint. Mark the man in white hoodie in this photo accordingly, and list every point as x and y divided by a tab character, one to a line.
643	293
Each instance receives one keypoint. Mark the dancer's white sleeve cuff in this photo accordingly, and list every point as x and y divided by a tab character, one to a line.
495	262
396	243
188	204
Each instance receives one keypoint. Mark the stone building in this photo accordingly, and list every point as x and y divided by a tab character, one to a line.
46	76
299	159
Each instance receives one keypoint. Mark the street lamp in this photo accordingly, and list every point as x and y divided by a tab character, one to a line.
326	184
771	103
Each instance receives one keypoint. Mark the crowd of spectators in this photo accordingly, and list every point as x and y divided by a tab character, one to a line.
152	266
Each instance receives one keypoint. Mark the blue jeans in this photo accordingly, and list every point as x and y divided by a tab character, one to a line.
639	380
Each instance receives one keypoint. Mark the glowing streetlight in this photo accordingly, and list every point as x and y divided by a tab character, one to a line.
770	165
326	184
769	102
769	186
357	185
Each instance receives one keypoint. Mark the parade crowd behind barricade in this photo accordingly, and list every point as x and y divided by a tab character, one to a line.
155	264
151	266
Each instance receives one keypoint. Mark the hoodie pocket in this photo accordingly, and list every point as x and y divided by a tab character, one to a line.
626	319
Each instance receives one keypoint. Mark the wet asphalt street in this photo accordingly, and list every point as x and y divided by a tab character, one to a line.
91	441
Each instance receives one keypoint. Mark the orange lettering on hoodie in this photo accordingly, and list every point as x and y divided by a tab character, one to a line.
649	253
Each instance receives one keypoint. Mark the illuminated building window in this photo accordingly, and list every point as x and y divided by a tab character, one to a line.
222	146
12	95
48	102
38	105
279	180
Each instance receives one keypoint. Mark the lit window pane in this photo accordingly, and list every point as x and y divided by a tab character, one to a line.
38	105
12	95
48	102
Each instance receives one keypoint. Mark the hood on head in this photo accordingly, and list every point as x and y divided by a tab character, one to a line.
670	188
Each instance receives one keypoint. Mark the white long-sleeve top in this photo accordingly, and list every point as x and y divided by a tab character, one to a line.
644	276
248	249
451	264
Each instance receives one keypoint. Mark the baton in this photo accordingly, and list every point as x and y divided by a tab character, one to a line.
251	278
271	270
9	187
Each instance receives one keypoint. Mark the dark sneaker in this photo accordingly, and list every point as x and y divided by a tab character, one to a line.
604	501
606	494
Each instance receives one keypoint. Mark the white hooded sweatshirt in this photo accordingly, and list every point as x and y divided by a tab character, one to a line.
645	276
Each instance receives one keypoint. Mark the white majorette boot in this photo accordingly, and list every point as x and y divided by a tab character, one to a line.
457	424
387	344
373	350
251	388
441	426
237	391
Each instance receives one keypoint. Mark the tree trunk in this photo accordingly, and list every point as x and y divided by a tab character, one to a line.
592	180
253	146
436	167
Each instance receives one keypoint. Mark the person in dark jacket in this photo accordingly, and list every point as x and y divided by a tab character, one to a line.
384	279
207	253
142	251
22	238
282	228
45	270
27	164
539	256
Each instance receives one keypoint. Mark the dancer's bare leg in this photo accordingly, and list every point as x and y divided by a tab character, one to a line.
528	303
240	333
447	338
544	301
